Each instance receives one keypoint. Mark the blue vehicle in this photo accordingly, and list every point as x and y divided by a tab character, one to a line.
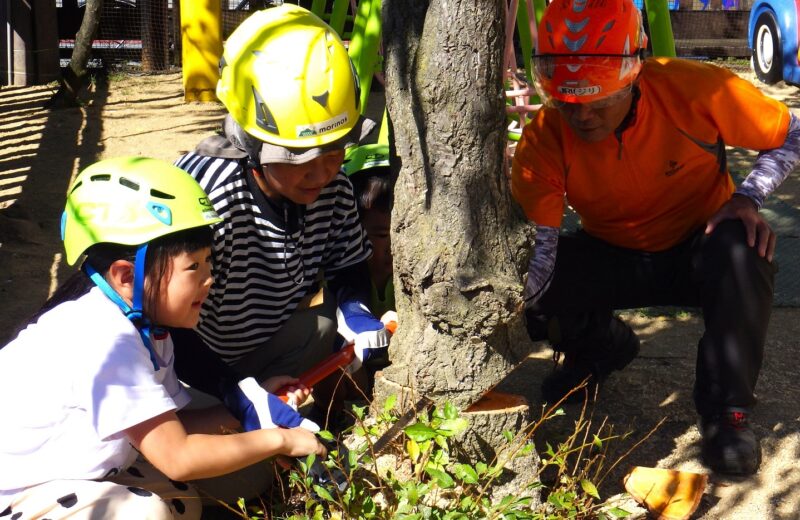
773	37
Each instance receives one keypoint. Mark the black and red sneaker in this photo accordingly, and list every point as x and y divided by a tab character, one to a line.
729	444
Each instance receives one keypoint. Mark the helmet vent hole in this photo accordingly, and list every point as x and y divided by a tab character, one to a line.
609	25
129	183
101	177
161	195
77	185
600	42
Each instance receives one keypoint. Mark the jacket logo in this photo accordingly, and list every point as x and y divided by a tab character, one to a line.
673	167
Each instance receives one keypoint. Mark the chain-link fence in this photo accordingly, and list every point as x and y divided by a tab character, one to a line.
145	34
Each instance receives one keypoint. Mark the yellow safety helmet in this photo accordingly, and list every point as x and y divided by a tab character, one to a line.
287	80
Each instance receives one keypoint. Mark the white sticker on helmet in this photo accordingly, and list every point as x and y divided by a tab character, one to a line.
321	128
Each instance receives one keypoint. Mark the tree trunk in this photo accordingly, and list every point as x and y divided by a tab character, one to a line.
74	76
155	50
460	243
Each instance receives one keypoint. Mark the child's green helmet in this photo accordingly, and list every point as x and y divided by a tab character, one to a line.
131	201
365	157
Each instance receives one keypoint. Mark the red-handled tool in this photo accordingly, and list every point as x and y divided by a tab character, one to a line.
326	367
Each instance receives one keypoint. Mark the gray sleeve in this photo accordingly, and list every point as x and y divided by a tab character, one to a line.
541	264
773	166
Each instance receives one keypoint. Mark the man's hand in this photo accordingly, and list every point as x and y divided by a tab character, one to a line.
357	325
759	234
255	408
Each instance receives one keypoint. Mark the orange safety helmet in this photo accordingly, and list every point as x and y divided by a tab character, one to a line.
588	50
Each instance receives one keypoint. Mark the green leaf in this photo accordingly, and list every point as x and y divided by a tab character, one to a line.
420	432
352	459
589	489
358	411
465	473
450	427
412	447
506	500
555	499
619	512
389	404
444	480
559	411
325	434
323	493
450	411
508	436
310	459
412	493
597	442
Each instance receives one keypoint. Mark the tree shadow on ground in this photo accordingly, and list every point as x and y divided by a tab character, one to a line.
42	150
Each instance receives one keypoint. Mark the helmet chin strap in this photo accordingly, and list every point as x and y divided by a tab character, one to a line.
135	313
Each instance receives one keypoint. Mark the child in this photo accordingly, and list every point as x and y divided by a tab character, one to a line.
90	382
367	167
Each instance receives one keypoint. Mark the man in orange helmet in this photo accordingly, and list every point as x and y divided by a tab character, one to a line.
637	147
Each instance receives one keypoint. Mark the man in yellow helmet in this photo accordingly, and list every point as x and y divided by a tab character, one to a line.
290	216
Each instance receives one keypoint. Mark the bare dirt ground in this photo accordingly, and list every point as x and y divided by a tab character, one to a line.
145	115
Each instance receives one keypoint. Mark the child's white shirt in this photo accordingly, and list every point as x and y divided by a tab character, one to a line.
71	384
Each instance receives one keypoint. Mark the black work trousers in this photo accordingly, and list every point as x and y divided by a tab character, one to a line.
718	273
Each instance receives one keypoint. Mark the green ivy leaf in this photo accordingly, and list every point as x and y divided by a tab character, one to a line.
325	434
450	411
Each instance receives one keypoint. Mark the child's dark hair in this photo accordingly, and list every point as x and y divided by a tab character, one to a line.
159	253
373	189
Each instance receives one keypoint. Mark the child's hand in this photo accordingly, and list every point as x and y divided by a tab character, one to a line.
297	393
299	442
255	408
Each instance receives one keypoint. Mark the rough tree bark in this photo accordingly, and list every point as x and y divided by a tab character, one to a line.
459	241
74	76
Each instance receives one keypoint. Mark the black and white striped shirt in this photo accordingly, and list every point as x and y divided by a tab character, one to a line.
267	256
